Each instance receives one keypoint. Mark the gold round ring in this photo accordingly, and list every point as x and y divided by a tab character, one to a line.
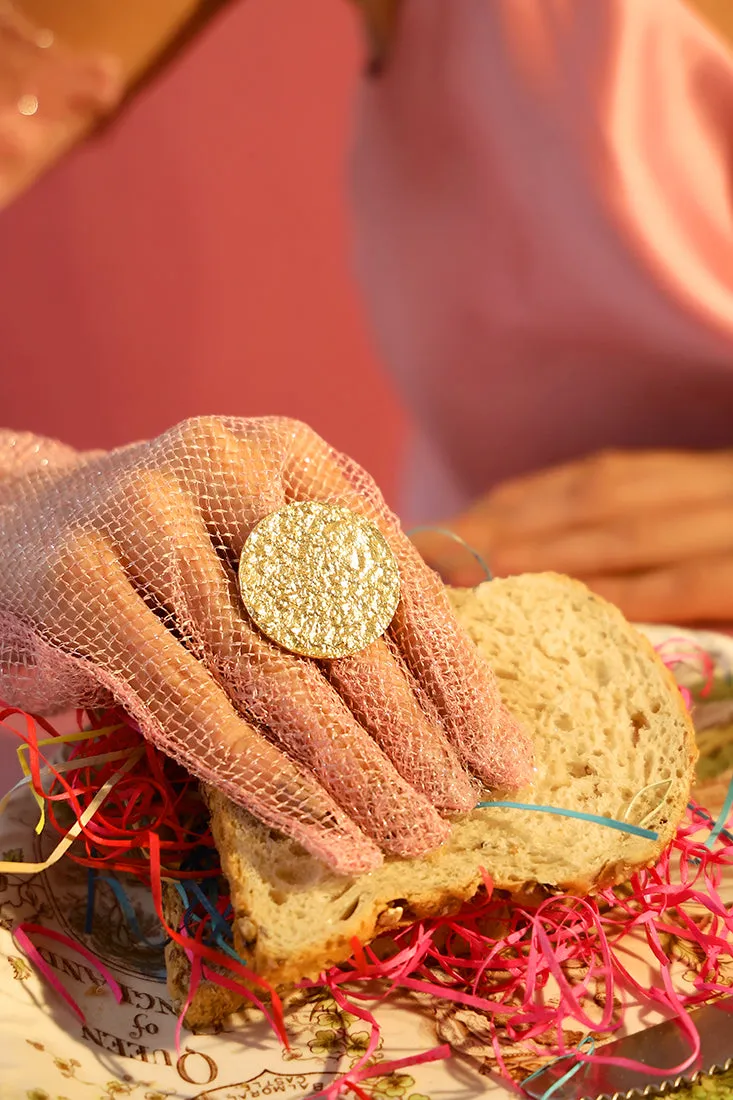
319	580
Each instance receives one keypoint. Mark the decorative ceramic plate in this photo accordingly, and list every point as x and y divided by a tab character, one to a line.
129	1049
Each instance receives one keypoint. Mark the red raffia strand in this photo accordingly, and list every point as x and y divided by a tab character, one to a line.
156	796
195	946
526	975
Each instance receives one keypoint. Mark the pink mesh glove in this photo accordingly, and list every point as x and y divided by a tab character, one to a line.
118	578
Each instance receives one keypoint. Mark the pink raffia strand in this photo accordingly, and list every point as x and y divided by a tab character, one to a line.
531	971
193	984
682	651
22	936
505	974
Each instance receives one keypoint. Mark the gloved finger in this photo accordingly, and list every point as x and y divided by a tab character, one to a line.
282	693
313	723
441	656
384	697
487	737
97	614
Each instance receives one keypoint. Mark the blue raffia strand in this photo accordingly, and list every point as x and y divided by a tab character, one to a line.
181	890
221	929
699	812
587	1041
609	822
189	915
218	923
128	912
719	826
456	538
199	859
222	944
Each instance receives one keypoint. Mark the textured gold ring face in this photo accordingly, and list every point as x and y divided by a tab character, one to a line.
319	580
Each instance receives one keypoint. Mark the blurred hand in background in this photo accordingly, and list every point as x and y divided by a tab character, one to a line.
650	530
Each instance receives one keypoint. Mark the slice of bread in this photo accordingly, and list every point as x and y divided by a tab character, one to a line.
612	737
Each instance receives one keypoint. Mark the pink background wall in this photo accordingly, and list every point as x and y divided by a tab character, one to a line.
195	259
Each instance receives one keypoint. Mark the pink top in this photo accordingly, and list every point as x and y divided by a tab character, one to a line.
543	213
544	233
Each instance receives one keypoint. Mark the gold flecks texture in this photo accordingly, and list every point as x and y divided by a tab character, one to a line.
319	580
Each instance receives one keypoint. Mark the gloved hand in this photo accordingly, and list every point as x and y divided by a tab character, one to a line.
118	577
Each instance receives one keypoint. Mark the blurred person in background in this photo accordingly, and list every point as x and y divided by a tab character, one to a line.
542	208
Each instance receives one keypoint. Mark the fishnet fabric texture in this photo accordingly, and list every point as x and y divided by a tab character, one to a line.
118	581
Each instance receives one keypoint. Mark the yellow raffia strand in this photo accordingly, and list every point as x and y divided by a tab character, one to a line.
11	868
64	739
67	766
666	783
